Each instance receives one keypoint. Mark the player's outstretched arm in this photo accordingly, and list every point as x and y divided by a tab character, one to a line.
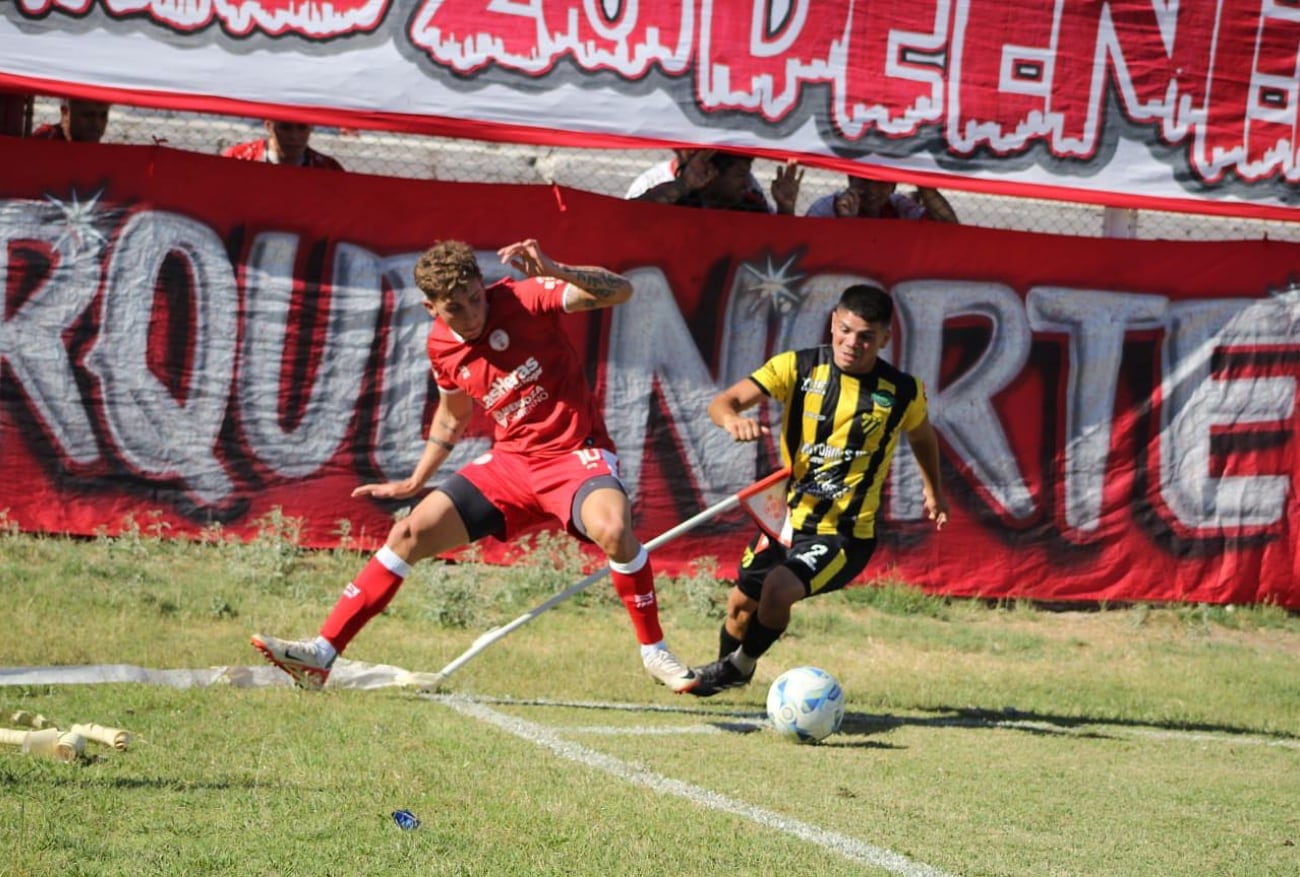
590	286
448	425
726	407
925	445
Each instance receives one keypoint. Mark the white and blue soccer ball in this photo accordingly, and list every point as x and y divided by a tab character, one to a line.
805	704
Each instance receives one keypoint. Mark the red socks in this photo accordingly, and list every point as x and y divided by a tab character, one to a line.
378	582
634	582
363	599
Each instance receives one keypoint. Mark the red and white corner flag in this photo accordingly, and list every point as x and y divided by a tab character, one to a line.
765	501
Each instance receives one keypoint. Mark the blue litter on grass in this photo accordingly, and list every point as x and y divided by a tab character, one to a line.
406	820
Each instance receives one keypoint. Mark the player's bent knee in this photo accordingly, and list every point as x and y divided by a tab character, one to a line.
400	533
615	540
740	614
784	592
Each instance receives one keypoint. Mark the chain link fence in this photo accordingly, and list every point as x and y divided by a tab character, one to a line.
611	171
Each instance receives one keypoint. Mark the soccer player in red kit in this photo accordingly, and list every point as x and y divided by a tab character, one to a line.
551	458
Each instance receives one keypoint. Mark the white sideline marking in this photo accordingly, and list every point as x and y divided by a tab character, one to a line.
848	847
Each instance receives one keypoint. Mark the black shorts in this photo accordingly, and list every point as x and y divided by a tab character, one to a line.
823	562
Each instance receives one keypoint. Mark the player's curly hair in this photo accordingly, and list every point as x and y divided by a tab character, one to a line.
444	268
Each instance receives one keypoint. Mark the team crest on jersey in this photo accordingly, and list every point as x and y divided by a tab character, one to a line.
870	423
464	373
499	340
883	399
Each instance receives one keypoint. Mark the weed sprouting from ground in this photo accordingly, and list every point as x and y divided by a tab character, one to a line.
451	595
469	593
220	607
893	596
547	562
269	559
9	528
705	594
134	539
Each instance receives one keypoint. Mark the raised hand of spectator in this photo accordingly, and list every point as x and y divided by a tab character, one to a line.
847	203
694	171
697	171
785	187
936	206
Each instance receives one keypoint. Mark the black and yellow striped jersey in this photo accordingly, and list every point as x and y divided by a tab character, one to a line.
838	434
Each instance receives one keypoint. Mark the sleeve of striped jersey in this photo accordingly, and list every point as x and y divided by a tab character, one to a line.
776	377
916	409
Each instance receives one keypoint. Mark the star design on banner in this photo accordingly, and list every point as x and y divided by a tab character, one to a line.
771	286
1289	298
78	220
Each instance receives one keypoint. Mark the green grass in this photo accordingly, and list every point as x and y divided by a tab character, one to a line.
980	740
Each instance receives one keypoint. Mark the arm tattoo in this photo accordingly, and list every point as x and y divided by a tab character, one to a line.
599	282
448	443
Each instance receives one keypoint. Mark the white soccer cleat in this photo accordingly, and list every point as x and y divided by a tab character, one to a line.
301	659
664	667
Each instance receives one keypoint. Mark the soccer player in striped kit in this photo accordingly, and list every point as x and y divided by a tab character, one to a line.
844	409
502	347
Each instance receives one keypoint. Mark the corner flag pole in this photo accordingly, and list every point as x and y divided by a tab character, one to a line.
426	682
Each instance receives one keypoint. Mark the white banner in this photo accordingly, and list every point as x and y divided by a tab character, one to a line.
1130	103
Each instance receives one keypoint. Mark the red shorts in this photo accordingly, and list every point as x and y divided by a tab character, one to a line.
529	492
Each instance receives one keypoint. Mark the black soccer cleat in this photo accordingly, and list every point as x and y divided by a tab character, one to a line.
718	676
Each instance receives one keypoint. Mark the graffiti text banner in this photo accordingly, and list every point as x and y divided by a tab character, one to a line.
192	340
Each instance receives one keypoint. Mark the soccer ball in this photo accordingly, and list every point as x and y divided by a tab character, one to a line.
805	704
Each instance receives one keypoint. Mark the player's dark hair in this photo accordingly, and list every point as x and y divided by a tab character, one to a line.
444	268
869	302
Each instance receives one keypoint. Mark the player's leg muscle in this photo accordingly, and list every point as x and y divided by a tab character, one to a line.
432	527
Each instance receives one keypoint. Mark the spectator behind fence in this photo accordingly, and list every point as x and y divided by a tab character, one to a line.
80	121
723	180
285	143
670	169
878	199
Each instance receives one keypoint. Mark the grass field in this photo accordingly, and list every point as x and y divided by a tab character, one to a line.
980	740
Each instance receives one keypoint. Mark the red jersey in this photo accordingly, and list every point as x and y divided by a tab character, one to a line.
49	132
523	371
255	150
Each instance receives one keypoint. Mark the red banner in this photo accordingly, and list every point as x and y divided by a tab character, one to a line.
189	341
1129	103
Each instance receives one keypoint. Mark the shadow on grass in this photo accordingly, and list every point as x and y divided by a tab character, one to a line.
737	720
1049	724
68	774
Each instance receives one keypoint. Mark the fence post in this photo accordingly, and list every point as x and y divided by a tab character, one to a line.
1119	222
15	114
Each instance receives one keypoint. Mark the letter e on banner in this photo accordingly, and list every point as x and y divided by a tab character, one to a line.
751	60
894	71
